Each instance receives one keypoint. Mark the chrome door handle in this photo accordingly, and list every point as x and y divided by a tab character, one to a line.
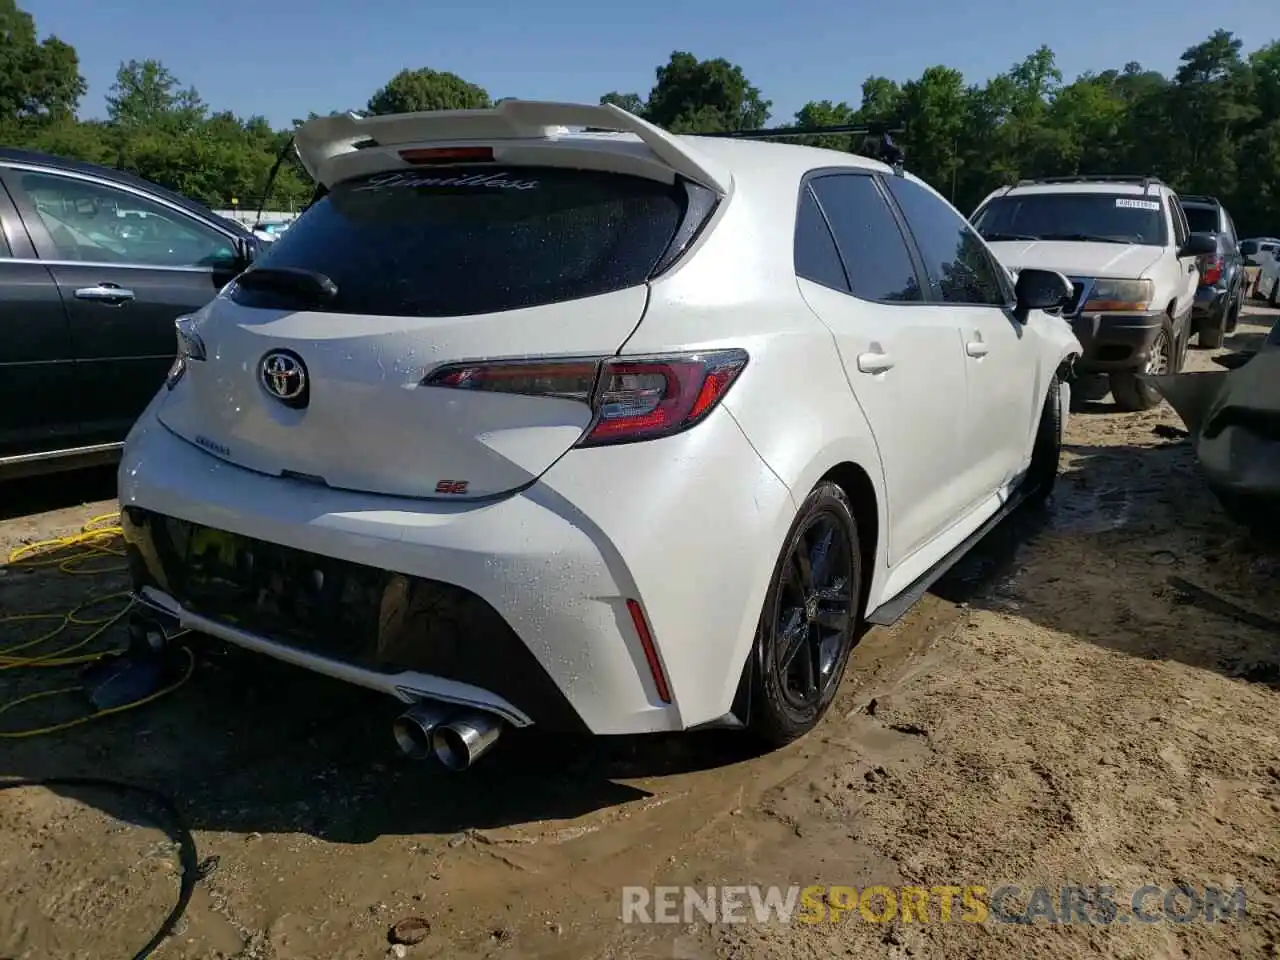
875	362
107	292
976	348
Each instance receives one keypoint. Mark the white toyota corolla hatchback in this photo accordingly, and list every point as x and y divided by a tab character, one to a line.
608	430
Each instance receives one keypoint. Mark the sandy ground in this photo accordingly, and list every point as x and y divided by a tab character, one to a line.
1056	713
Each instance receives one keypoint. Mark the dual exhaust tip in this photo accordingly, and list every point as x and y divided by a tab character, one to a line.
457	740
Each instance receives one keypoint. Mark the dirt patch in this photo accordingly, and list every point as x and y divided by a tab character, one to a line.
1058	713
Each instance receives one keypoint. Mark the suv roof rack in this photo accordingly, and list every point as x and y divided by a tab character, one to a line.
879	143
1147	181
1199	198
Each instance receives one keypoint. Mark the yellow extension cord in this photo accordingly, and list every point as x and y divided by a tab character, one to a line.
100	540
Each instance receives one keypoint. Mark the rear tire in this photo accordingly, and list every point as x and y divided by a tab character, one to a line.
1233	317
1046	454
1212	335
1133	395
809	621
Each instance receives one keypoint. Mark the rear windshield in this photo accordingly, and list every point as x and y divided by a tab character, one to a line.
1201	219
1087	217
447	242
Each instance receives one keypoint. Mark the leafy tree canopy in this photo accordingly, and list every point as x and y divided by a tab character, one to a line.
1212	127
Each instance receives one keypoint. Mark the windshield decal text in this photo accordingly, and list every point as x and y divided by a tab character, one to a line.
492	181
1137	204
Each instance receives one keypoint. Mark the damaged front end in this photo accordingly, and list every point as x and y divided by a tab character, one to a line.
1233	417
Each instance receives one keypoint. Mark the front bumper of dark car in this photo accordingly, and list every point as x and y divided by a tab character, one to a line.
1115	342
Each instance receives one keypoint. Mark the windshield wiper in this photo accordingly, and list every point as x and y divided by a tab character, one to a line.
997	237
307	284
1086	238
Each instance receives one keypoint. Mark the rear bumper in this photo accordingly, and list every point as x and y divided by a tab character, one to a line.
1115	342
517	605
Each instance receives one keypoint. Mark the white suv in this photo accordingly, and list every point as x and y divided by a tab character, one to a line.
1125	244
618	432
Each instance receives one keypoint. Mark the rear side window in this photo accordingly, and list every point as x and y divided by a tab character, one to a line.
1201	219
870	241
461	241
816	256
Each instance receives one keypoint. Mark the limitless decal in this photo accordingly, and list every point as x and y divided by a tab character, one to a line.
493	181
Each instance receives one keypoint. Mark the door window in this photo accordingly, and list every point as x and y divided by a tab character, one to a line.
92	223
871	243
960	268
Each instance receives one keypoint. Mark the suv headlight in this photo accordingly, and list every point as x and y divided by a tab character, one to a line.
1120	296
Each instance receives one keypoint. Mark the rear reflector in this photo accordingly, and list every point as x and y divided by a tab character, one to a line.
650	651
639	398
428	155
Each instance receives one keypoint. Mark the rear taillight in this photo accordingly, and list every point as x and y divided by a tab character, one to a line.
637	398
190	347
1212	270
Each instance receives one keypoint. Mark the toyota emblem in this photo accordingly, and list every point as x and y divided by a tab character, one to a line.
285	377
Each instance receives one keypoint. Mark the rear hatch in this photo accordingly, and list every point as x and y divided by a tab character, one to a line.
391	275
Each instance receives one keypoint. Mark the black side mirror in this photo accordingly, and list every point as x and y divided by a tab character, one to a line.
1199	245
1041	290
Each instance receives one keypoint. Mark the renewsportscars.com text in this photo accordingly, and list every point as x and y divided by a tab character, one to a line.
1007	903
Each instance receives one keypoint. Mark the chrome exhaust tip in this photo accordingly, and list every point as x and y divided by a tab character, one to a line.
465	739
413	728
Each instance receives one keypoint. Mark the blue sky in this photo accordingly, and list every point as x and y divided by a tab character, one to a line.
281	58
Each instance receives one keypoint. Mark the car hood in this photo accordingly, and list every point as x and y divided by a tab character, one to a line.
1077	259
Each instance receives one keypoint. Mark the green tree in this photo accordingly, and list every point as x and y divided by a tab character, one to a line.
705	96
824	113
933	109
881	101
411	91
1211	101
147	96
1213	126
38	78
630	102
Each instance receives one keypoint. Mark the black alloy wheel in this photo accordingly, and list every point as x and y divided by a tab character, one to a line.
810	618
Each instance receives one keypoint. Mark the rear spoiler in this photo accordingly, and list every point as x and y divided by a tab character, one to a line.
320	140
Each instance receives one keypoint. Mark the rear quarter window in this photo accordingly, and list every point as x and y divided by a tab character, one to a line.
1201	219
461	241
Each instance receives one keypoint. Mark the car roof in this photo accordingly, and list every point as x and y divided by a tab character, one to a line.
761	165
1093	186
1197	200
110	175
788	159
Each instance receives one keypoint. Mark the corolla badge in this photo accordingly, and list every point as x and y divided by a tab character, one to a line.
284	376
